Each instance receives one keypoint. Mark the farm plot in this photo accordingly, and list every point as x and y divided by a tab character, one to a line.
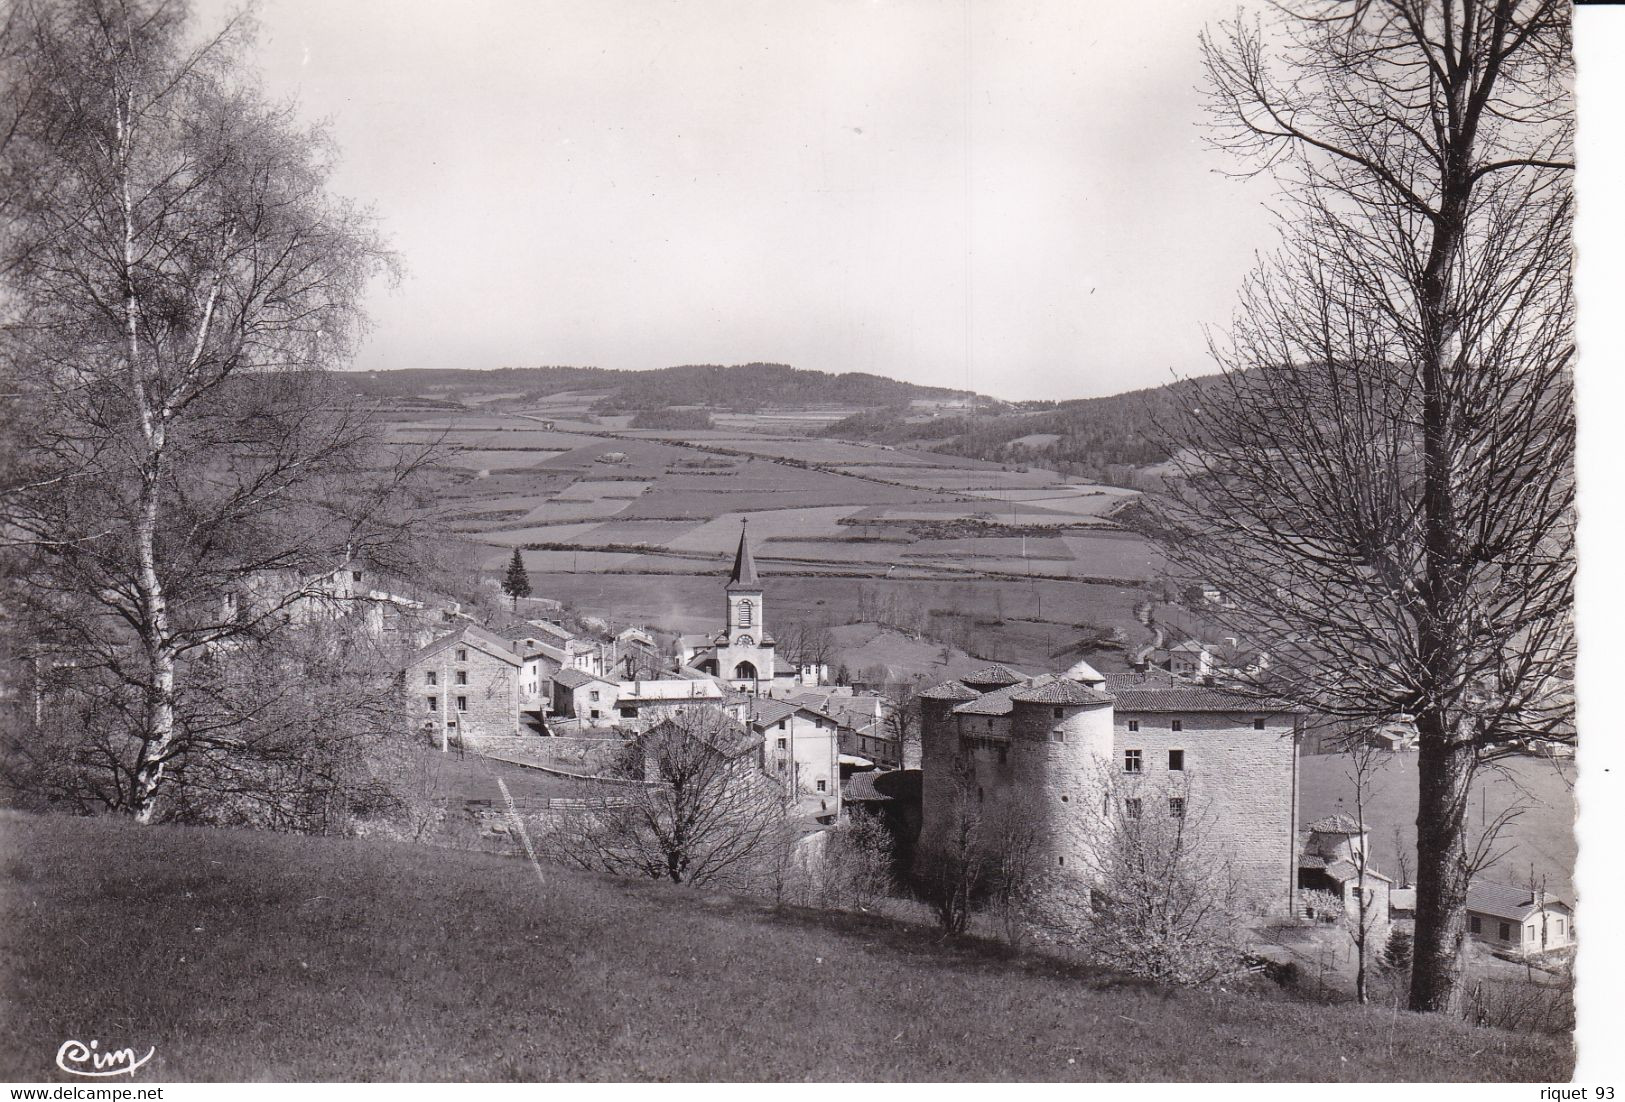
1114	555
966	481
1083	501
622	458
539	533
997	512
721	534
475	459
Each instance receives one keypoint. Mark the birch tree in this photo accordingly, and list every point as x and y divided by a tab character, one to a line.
178	280
1381	481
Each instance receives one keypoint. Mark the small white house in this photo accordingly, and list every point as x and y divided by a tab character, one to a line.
1519	920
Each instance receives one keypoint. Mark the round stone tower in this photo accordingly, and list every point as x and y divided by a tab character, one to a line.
1062	752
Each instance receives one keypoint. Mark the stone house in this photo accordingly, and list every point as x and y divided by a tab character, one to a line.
1329	861
1049	750
584	697
1518	920
463	684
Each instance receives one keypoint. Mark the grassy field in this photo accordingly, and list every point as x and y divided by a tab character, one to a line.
1543	836
242	956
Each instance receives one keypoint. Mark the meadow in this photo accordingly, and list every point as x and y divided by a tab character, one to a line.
241	956
1541	838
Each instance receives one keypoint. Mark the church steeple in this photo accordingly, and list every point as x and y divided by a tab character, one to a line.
744	571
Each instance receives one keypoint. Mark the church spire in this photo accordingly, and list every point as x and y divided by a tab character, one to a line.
744	571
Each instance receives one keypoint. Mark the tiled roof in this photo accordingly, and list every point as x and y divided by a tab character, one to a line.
1192	698
1160	692
572	678
1344	871
860	787
950	690
1402	899
1060	691
767	712
1336	824
1504	901
995	703
996	674
467	635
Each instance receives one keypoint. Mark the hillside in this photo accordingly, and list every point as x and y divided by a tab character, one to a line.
1087	436
712	386
245	956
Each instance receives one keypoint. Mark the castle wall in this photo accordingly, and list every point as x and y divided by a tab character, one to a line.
1051	771
1240	781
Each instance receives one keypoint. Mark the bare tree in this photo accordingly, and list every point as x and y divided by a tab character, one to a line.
705	813
181	280
1163	896
1365	763
1381	481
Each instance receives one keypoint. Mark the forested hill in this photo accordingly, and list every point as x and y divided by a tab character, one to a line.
754	385
712	386
1086	436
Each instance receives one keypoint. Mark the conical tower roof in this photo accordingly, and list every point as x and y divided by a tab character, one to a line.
744	571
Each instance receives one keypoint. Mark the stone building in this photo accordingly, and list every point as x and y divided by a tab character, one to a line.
465	683
1048	753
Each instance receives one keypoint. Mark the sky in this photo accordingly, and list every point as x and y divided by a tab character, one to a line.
1010	196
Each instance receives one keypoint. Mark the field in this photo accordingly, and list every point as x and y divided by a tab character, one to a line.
637	526
1542	837
239	956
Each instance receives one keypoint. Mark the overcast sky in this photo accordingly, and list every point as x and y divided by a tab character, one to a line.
1008	196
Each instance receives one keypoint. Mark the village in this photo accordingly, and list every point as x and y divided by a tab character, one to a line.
1168	740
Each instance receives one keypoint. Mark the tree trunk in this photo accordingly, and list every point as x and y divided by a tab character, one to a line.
1445	774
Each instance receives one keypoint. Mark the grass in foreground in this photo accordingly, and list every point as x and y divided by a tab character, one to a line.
255	956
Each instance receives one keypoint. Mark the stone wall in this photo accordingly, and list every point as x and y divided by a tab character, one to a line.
488	688
1238	778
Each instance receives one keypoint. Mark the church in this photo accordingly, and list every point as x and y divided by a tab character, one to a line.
741	654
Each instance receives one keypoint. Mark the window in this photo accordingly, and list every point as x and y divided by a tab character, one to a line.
747	609
1058	713
783	743
1475	924
822	786
1058	735
596	714
629	713
1133	725
1532	931
978	793
1506	931
1131	808
1176	807
592	694
1560	927
434	704
1258	723
1176	761
462	677
1177	725
355	575
781	724
1131	761
462	655
430	677
781	765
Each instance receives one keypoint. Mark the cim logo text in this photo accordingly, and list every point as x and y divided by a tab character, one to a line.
78	1058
